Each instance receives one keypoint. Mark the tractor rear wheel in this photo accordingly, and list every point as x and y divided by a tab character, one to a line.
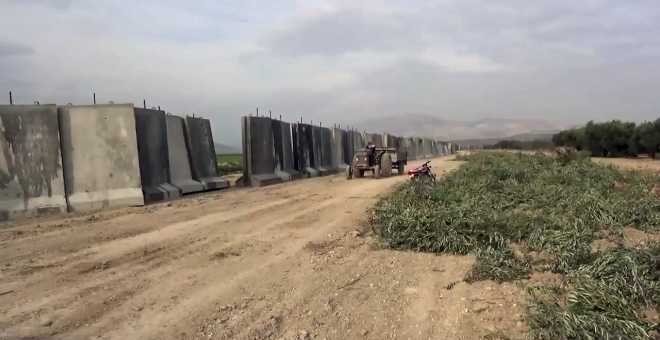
349	172
376	171
386	165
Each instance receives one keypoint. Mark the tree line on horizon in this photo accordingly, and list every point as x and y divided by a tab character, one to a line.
613	139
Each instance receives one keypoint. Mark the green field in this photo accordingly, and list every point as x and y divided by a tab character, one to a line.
230	164
508	208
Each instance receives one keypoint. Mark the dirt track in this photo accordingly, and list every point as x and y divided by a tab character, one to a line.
267	263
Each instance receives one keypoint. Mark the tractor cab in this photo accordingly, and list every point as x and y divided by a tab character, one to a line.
364	158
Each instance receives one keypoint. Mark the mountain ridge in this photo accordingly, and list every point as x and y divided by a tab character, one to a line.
419	124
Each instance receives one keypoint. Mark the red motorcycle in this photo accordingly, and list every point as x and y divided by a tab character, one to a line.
422	171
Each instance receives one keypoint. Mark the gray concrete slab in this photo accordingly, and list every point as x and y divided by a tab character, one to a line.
358	141
339	140
283	139
31	178
412	148
100	157
262	166
317	154
326	151
151	131
348	149
178	150
390	141
202	151
304	151
375	138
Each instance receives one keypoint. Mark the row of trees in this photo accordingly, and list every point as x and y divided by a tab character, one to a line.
518	145
613	139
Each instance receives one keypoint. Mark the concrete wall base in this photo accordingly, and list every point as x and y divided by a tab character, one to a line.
187	186
214	183
162	192
265	179
293	174
311	172
82	201
325	172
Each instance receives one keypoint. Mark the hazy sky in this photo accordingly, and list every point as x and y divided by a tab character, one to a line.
334	61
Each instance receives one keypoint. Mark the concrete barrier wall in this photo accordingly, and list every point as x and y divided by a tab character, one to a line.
375	138
99	156
288	160
178	150
348	149
204	161
434	147
304	150
358	140
355	143
339	146
262	165
278	147
317	133
326	151
419	147
151	131
390	141
31	178
412	150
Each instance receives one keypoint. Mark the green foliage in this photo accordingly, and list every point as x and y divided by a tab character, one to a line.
613	139
518	145
647	138
545	205
230	164
574	138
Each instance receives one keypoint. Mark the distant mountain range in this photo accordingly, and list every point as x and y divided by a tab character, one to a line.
416	124
221	149
523	137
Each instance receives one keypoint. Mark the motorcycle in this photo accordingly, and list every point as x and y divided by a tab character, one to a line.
422	171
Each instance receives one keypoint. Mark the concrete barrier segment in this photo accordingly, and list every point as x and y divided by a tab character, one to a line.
326	151
304	150
99	156
202	150
317	145
178	150
31	178
278	148
288	160
262	166
338	147
151	132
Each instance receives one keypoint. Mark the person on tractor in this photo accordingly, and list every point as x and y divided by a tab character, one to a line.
370	152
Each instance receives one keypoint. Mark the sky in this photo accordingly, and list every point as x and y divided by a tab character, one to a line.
565	61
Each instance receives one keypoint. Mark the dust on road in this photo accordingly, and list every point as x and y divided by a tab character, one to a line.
280	262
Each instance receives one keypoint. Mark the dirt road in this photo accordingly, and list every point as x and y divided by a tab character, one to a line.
280	262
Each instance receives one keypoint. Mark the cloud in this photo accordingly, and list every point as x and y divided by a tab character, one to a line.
8	49
338	61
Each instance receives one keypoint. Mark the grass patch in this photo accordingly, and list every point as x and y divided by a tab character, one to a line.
230	164
558	206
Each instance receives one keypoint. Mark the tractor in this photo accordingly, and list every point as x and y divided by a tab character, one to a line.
380	161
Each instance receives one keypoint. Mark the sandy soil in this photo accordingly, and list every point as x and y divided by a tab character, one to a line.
280	262
636	163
